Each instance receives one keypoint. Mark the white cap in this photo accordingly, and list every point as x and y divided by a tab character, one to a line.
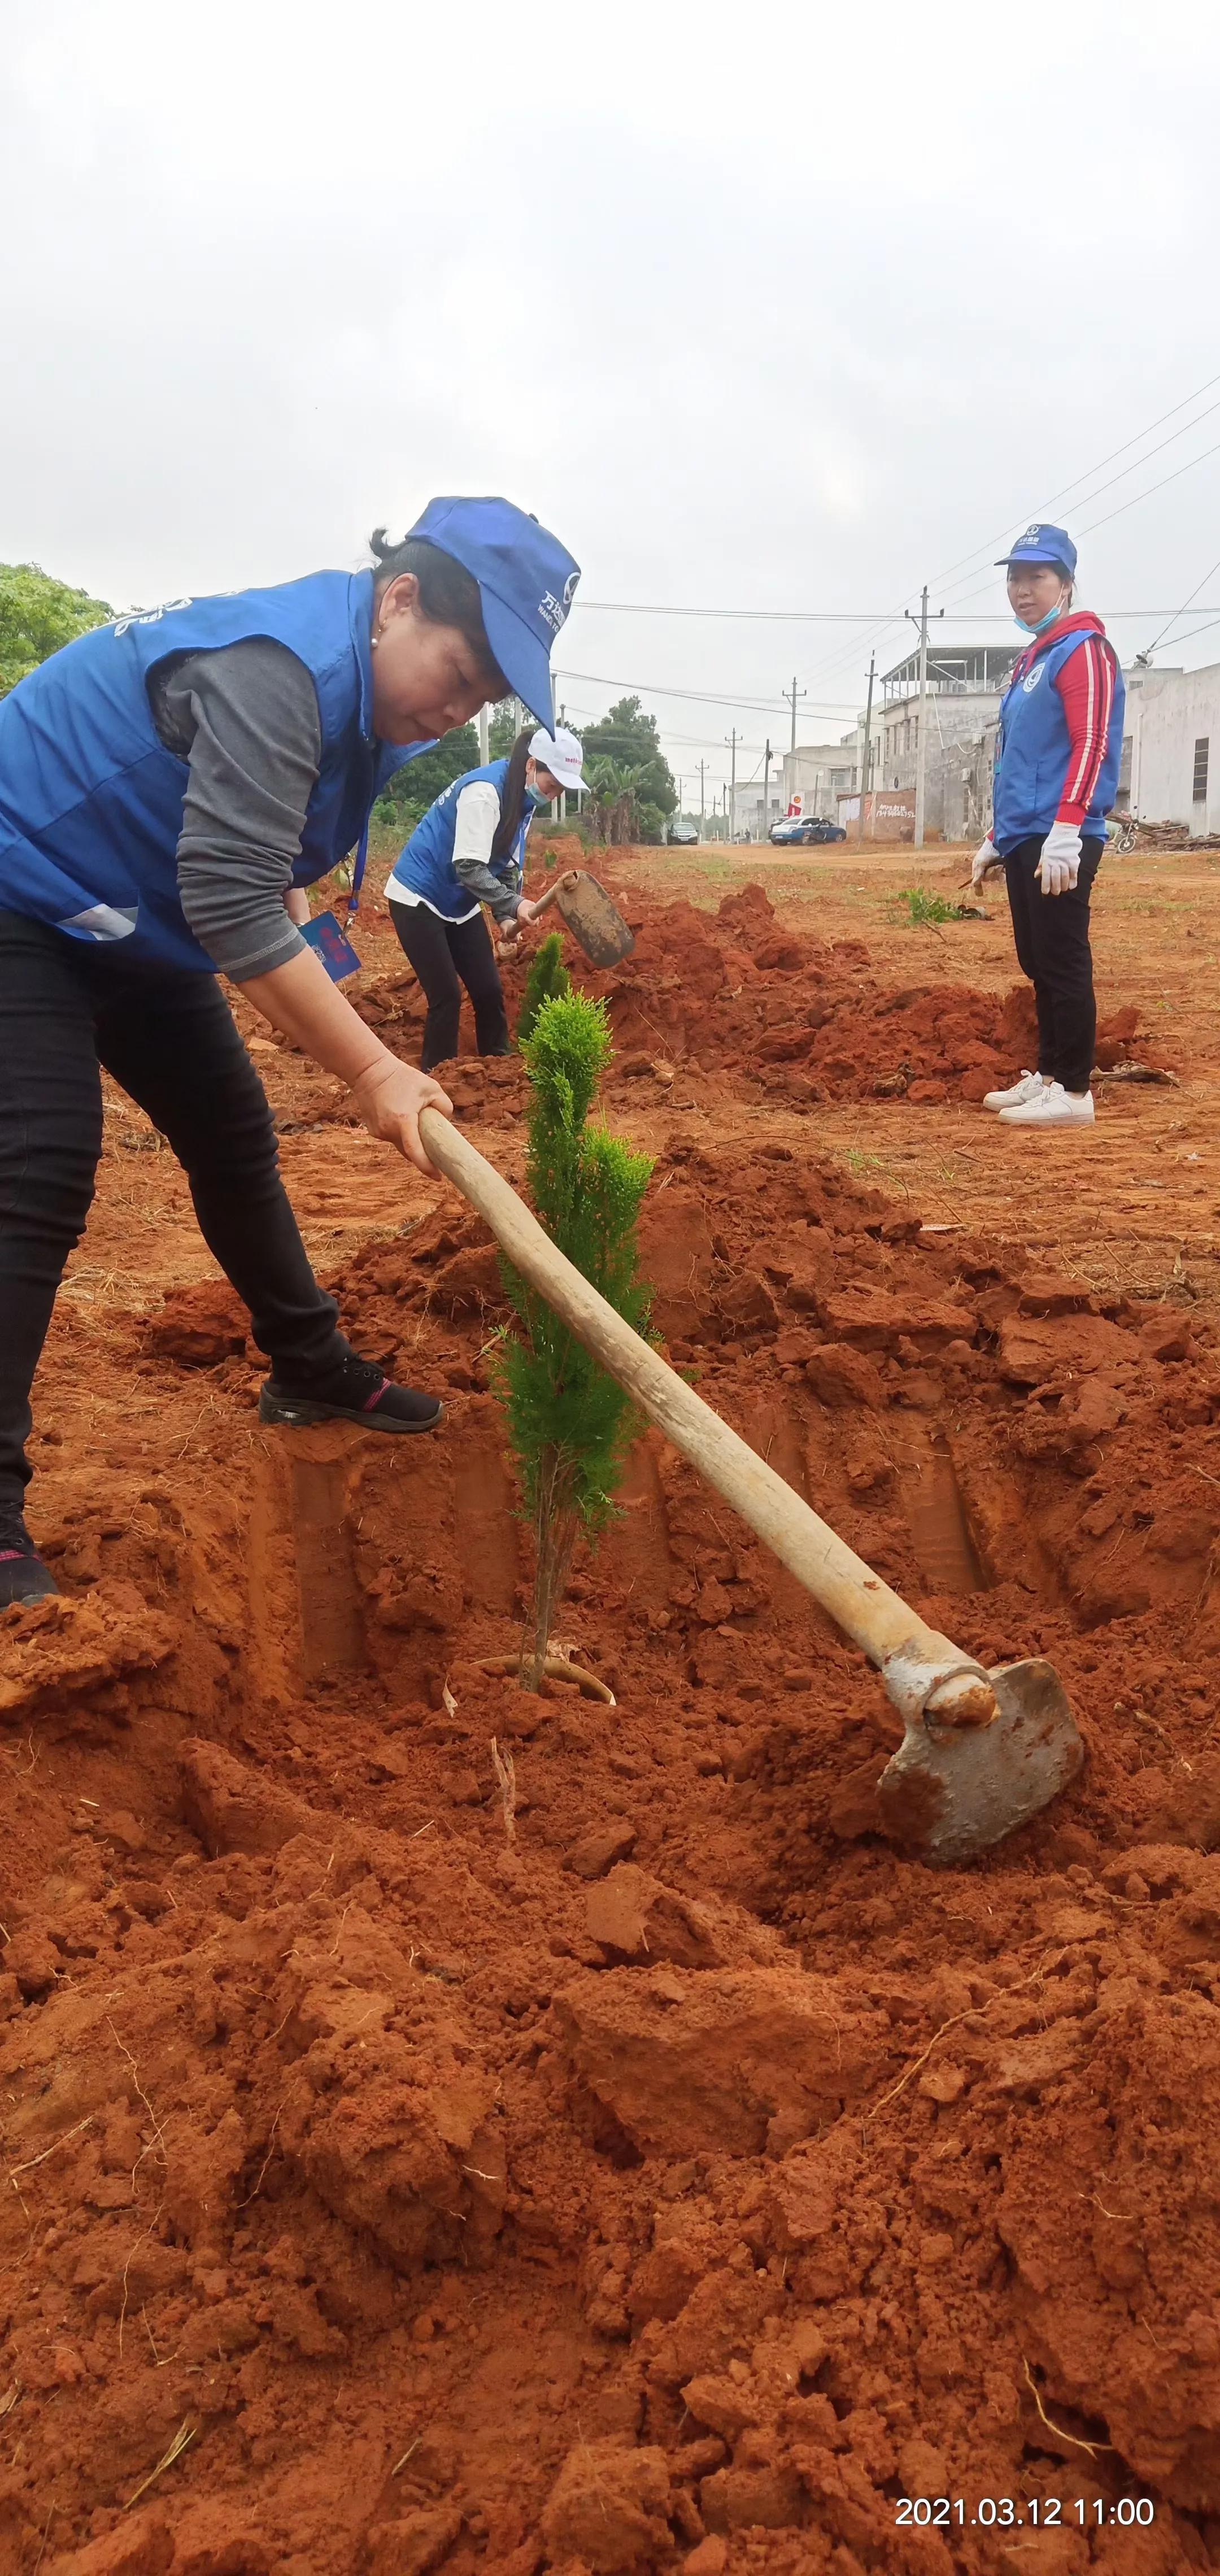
559	752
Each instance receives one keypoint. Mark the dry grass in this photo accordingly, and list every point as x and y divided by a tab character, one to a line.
506	1779
182	2440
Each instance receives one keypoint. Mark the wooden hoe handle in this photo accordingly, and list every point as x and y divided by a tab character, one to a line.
864	1607
544	903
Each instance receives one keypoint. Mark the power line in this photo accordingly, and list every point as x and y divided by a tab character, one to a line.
782	616
1137	497
1066	488
1149	649
1153	487
828	617
702	697
975	558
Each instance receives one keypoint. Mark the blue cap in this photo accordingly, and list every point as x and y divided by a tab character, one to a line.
1042	544
526	581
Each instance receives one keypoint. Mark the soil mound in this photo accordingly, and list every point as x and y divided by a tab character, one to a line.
794	1018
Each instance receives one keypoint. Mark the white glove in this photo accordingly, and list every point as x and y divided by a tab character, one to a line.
986	860
1059	865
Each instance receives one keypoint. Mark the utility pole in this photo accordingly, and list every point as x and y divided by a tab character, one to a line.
731	739
484	753
702	796
794	693
868	735
921	738
766	774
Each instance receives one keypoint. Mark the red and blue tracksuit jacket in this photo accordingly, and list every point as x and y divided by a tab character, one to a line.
1061	735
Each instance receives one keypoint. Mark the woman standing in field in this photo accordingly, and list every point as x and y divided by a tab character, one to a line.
1061	739
169	786
469	850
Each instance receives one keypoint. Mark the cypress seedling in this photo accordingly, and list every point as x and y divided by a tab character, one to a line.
547	977
571	1424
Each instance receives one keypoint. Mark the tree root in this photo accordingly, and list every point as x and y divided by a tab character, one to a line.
557	1669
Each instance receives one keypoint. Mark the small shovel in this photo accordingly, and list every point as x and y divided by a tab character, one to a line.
982	1751
590	916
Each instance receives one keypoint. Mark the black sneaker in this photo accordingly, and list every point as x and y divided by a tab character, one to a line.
357	1391
23	1576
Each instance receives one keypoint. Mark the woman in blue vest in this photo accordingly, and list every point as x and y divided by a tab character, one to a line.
1061	740
169	785
469	850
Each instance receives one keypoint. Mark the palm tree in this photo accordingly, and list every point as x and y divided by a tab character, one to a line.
615	799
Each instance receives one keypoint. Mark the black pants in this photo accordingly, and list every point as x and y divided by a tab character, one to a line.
446	955
170	1040
1052	937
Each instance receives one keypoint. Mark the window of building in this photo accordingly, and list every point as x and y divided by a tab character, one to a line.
1199	790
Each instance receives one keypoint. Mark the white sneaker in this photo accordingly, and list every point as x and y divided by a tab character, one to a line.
1053	1107
1028	1088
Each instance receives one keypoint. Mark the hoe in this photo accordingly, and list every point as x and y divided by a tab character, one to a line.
982	1751
590	916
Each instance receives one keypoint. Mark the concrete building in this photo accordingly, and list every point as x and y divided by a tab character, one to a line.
819	773
965	685
1171	748
752	824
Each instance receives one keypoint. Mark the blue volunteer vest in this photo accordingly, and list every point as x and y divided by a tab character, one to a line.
1034	749
91	800
425	867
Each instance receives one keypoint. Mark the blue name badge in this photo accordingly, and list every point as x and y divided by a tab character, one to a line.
327	942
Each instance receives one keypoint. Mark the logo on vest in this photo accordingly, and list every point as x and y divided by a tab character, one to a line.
148	616
1031	679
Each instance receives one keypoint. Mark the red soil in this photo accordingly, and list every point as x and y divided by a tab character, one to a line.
686	2181
732	999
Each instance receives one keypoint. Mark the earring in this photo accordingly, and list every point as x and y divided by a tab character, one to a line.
374	641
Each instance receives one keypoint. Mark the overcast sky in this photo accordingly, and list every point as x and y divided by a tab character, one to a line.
757	310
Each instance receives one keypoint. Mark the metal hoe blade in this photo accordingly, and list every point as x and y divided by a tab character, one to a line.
593	920
954	1790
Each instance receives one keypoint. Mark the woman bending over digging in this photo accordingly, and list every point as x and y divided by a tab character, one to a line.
169	785
1061	739
469	850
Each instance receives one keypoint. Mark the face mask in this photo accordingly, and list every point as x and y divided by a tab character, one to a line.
1043	622
536	796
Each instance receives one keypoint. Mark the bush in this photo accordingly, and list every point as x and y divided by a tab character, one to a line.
548	979
925	909
570	1424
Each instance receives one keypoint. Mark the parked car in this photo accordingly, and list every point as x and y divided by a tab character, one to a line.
684	835
803	828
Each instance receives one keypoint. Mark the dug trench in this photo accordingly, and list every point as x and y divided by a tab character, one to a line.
668	2171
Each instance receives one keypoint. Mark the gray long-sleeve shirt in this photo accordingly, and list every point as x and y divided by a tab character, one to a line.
245	719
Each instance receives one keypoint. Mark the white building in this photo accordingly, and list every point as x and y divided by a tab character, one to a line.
750	822
1171	748
819	773
965	685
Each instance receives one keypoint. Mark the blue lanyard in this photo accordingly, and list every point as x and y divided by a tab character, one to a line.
362	860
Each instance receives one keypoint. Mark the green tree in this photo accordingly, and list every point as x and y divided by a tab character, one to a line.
411	790
570	1424
547	976
503	729
628	739
614	799
37	615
